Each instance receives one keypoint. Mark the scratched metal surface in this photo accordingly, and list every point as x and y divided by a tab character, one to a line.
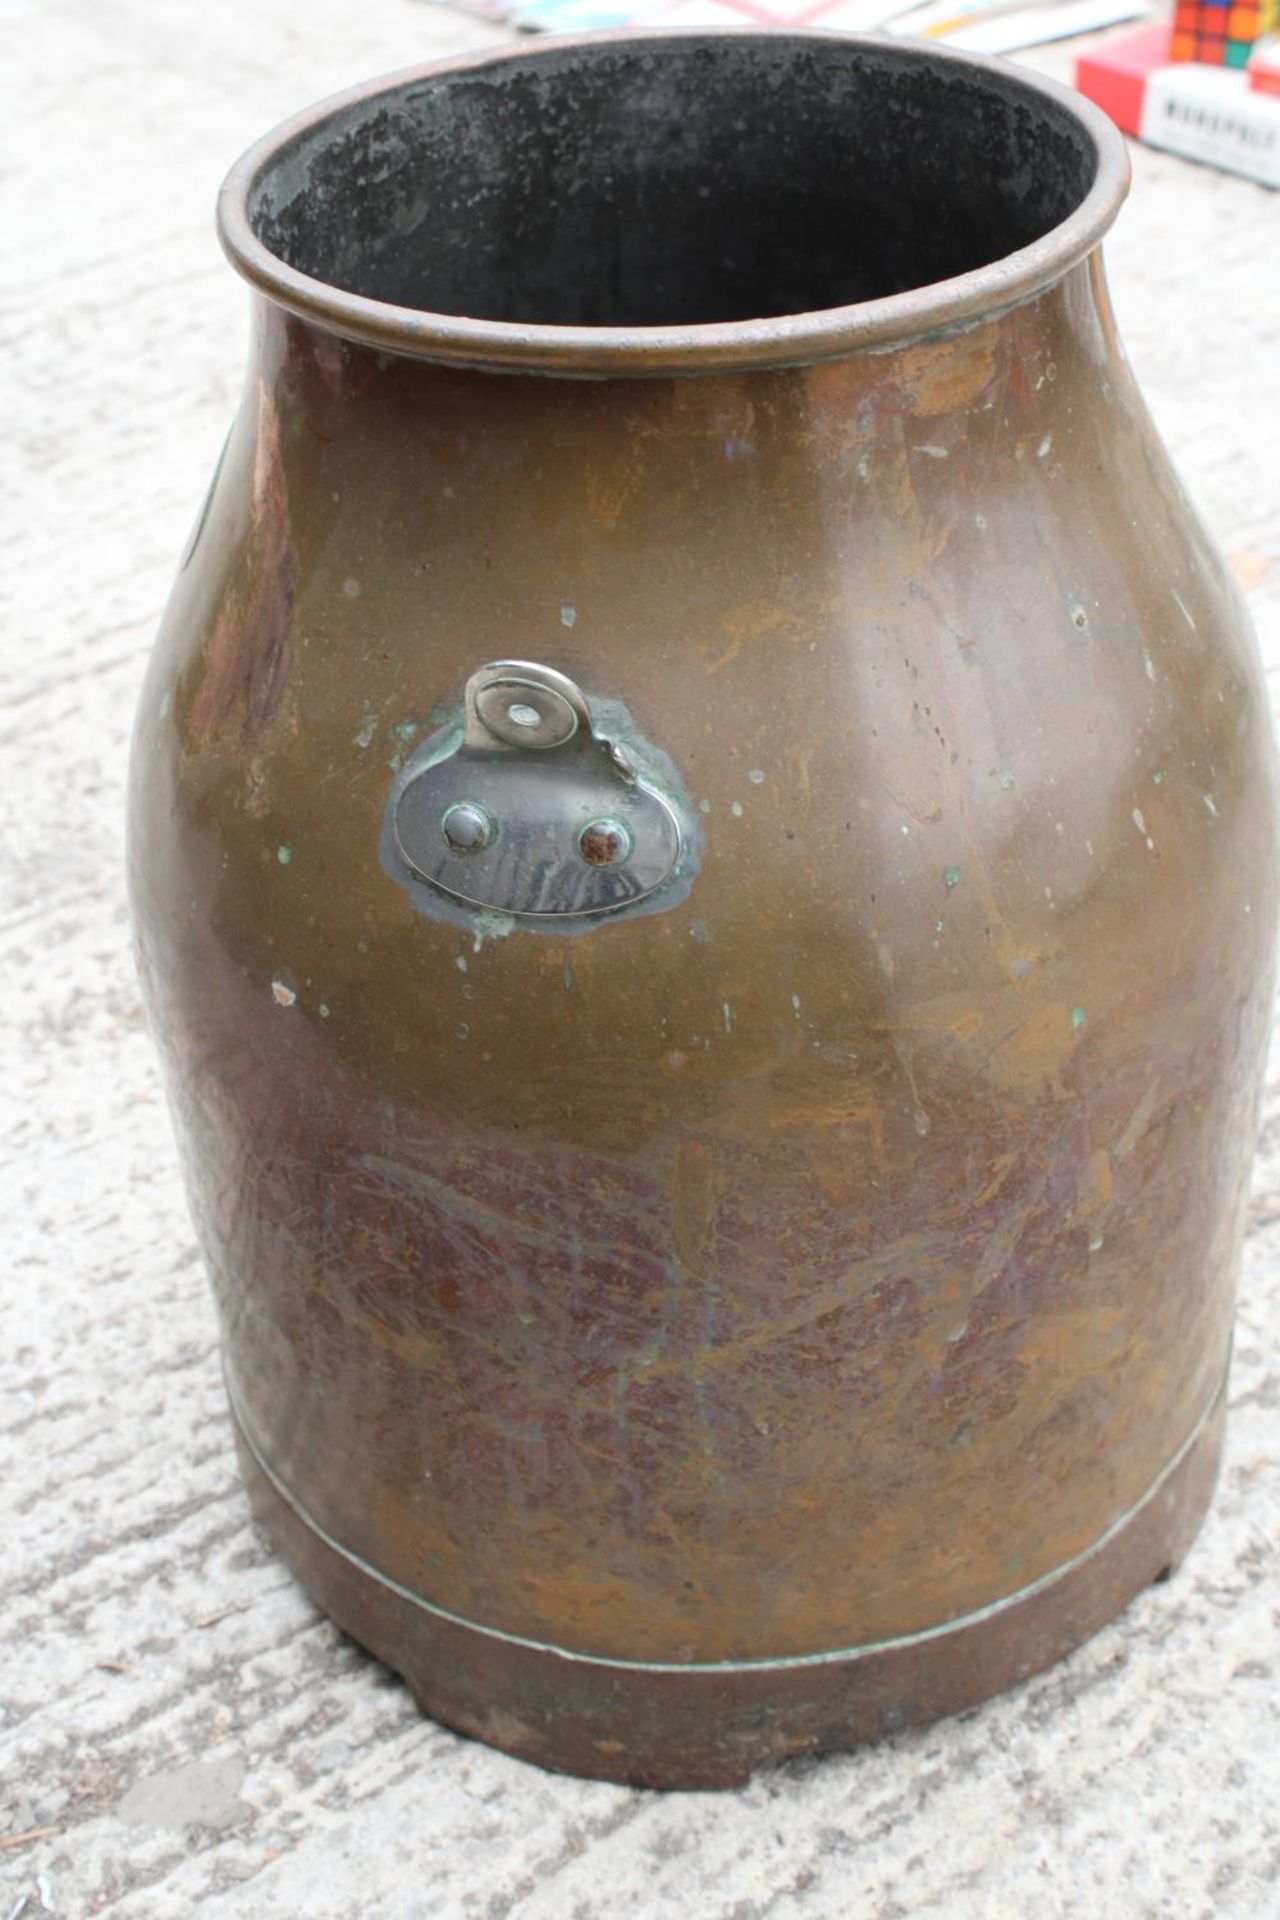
178	1729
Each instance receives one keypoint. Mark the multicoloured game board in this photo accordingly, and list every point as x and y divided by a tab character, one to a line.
985	26
569	16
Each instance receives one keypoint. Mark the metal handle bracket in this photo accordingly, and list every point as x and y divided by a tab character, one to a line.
536	812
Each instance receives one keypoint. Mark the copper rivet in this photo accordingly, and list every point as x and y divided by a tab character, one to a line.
605	843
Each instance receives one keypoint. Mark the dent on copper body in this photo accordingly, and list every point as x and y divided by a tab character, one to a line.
793	1303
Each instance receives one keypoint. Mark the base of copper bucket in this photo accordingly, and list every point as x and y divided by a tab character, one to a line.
707	1726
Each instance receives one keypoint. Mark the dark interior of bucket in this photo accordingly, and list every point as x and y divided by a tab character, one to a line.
673	182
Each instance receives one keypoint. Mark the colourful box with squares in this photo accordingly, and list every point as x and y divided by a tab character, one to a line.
1221	32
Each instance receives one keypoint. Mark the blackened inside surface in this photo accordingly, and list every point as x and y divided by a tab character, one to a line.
673	183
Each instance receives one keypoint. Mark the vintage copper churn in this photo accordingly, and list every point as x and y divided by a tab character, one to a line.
703	851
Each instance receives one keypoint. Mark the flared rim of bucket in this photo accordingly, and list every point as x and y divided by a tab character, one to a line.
631	351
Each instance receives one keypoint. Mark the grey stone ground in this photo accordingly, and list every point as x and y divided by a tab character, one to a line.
179	1731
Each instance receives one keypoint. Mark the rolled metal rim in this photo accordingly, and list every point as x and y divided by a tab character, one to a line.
785	340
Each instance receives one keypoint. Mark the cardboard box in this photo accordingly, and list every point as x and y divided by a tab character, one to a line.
1206	113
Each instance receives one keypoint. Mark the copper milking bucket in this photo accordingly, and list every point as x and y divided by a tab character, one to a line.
703	854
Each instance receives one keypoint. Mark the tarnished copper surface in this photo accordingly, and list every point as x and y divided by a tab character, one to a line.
707	1724
767	1280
